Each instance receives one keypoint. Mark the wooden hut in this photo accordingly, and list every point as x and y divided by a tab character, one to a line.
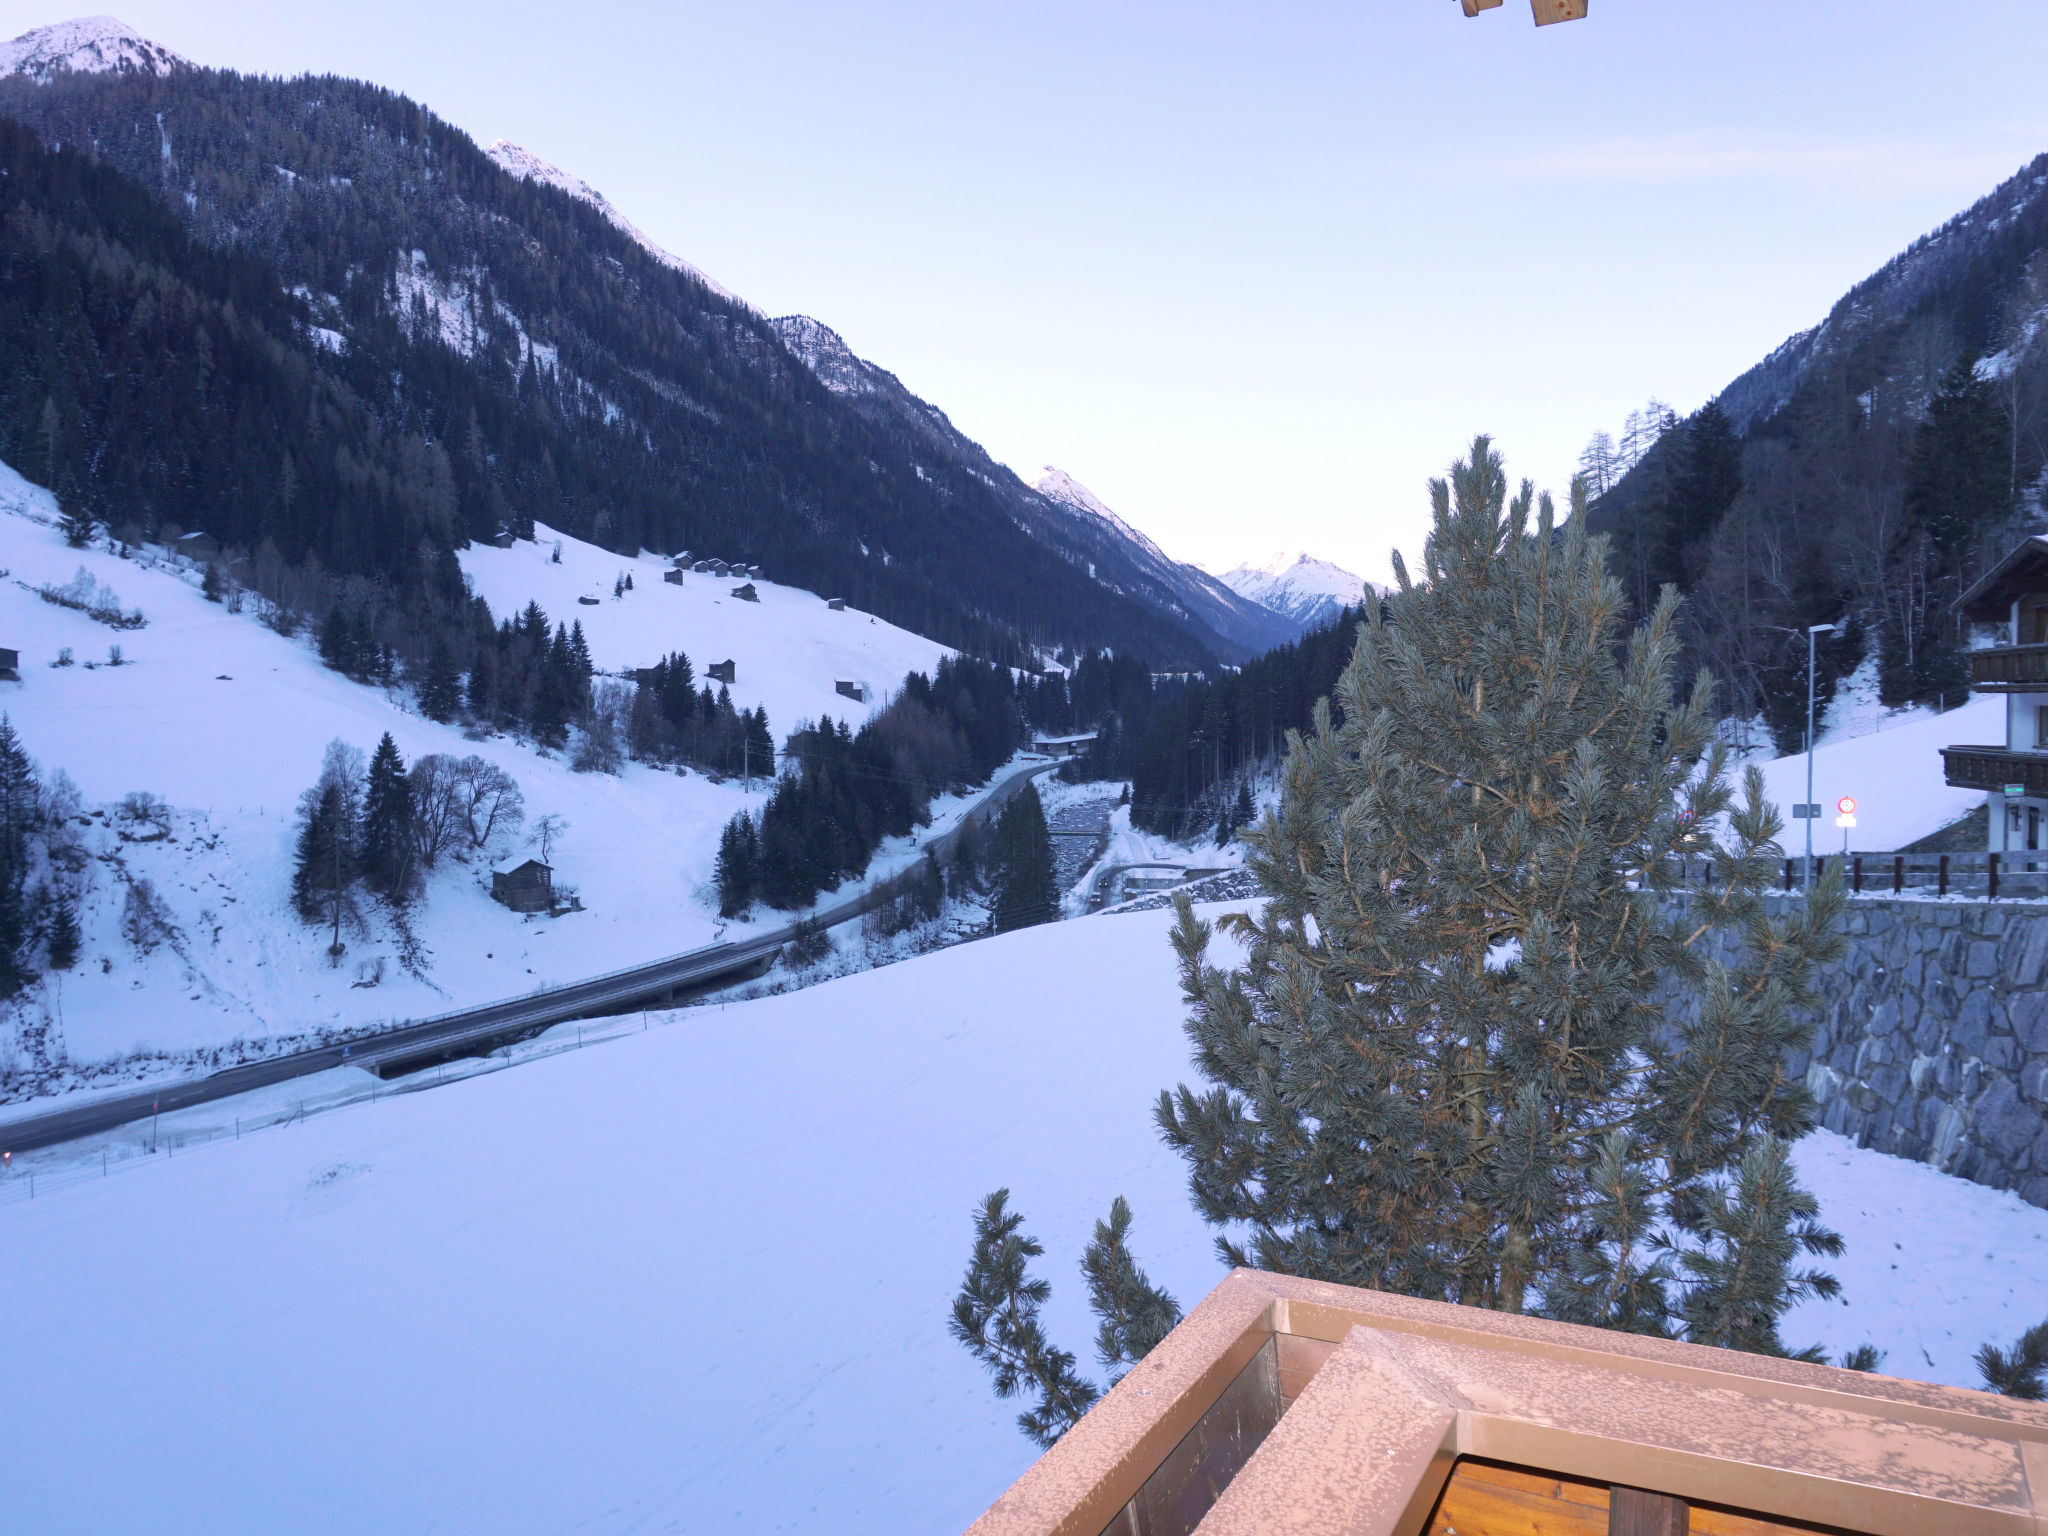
721	671
528	886
746	593
673	577
10	665
198	546
836	604
858	692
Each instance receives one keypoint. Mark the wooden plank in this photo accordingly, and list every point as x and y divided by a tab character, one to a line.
1486	1499
1548	11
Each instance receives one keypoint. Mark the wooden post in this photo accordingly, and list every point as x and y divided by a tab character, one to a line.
1638	1512
1856	873
1991	871
1898	872
1788	874
1944	876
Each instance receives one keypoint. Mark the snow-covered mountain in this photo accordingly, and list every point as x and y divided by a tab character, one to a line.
88	45
528	166
1305	589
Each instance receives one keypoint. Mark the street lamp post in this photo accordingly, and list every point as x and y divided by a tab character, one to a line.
1813	631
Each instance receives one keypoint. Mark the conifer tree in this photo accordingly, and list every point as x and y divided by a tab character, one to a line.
20	801
63	937
386	852
440	684
326	862
1447	1067
2021	1371
1135	1313
996	1317
1026	888
735	868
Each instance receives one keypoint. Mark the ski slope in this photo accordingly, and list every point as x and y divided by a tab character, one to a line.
227	721
696	1279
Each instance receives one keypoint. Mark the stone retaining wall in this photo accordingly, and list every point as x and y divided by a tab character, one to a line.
1934	1041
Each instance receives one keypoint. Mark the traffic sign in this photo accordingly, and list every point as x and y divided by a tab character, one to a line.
1846	805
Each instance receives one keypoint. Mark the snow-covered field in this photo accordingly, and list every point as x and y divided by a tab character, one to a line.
227	721
696	1279
1895	775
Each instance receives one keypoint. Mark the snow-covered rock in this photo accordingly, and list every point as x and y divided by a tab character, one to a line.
88	45
527	166
1305	589
822	350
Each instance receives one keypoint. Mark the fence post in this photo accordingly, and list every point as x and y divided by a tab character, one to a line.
1788	874
1856	873
1991	870
1944	876
1898	873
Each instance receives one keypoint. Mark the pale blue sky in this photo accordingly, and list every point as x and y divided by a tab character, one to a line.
1251	272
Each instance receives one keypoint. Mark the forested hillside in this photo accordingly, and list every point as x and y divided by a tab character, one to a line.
467	349
1865	473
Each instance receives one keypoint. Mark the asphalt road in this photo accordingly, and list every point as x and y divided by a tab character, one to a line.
470	1030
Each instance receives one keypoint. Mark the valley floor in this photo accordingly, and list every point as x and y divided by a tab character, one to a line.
696	1277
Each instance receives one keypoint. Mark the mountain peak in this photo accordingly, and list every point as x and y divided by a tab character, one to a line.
825	352
1056	484
90	45
1299	585
527	166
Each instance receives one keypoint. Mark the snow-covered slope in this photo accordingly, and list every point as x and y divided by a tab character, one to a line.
1251	623
88	45
1894	775
697	1279
227	721
789	647
528	166
1305	589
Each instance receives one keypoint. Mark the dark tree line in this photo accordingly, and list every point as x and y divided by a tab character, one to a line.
1190	759
842	792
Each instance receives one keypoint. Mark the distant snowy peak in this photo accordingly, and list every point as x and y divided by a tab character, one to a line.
825	352
1305	589
91	45
1057	485
528	166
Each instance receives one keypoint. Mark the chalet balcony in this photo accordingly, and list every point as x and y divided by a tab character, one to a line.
1992	768
2010	669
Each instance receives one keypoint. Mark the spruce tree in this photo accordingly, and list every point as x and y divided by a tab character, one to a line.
735	866
1242	813
20	809
63	936
386	851
1026	888
440	684
1448	1066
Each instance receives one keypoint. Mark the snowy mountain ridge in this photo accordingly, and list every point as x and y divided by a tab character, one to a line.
1057	485
1305	589
87	45
527	166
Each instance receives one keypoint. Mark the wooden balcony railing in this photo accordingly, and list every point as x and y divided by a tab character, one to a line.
1992	768
2010	669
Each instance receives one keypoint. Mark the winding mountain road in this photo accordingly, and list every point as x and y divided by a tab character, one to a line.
408	1047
